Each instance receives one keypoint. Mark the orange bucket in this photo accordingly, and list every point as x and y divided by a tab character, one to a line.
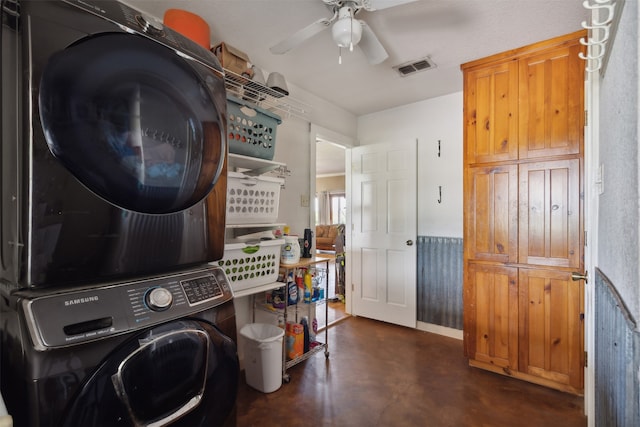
189	25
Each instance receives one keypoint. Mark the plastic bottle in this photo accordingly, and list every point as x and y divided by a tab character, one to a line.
292	293
308	287
314	330
299	280
281	321
290	252
305	328
278	298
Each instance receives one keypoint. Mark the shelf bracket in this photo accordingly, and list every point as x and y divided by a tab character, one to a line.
260	171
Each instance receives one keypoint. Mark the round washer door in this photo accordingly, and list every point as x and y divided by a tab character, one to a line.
183	373
136	123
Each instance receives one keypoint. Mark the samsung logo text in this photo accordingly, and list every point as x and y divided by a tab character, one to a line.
81	300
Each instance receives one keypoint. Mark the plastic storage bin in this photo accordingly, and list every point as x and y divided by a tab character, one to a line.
248	265
263	356
252	199
251	130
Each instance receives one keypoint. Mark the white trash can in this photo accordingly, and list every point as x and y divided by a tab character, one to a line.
263	356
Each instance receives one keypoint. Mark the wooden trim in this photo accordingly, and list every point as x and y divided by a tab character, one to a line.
518	53
529	378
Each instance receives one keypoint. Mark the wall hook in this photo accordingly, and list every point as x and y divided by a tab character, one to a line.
593	54
592	57
440	194
604	15
593	38
601	5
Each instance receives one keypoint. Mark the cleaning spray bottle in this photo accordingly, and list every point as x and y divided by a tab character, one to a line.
308	286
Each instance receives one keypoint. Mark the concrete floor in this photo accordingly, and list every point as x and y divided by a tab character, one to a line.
379	374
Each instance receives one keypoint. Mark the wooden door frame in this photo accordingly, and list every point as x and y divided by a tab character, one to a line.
592	187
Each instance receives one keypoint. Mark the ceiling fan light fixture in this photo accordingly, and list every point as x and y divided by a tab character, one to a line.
346	31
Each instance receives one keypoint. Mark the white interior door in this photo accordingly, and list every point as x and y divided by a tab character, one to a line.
383	232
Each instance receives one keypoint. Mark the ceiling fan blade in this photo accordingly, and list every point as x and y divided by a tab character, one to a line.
300	36
371	46
371	5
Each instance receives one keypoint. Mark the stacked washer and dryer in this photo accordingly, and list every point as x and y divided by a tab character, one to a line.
113	197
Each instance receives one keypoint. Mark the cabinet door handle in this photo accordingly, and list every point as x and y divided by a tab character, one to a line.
409	242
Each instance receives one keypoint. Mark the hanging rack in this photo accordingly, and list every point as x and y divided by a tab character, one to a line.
265	97
604	23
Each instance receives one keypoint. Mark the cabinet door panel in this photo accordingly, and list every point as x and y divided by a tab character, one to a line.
491	213
491	315
550	216
551	103
491	113
551	344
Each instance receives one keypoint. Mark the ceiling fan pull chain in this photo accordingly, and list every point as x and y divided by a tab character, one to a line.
351	35
339	55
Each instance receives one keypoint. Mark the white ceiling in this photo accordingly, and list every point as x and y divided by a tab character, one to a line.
450	32
330	159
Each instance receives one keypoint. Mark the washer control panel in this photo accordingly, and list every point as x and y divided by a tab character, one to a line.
201	289
158	299
67	318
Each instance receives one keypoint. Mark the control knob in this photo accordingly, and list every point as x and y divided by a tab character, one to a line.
150	25
158	299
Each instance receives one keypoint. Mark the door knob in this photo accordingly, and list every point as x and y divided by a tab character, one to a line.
576	275
409	242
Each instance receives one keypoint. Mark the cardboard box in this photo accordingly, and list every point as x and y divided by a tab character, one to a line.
294	340
233	59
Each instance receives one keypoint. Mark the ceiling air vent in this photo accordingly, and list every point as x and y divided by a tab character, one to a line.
414	66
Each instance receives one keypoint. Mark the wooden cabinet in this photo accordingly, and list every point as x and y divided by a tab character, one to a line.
491	112
491	213
491	315
517	106
549	220
551	342
523	221
551	103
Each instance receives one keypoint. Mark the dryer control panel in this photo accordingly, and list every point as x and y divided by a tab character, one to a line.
68	318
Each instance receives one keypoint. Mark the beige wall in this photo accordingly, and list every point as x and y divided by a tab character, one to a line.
330	183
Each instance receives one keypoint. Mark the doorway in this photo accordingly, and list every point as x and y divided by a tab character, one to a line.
329	216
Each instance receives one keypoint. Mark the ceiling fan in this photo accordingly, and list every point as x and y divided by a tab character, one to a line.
347	31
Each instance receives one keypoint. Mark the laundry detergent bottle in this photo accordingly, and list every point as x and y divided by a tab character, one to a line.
290	253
